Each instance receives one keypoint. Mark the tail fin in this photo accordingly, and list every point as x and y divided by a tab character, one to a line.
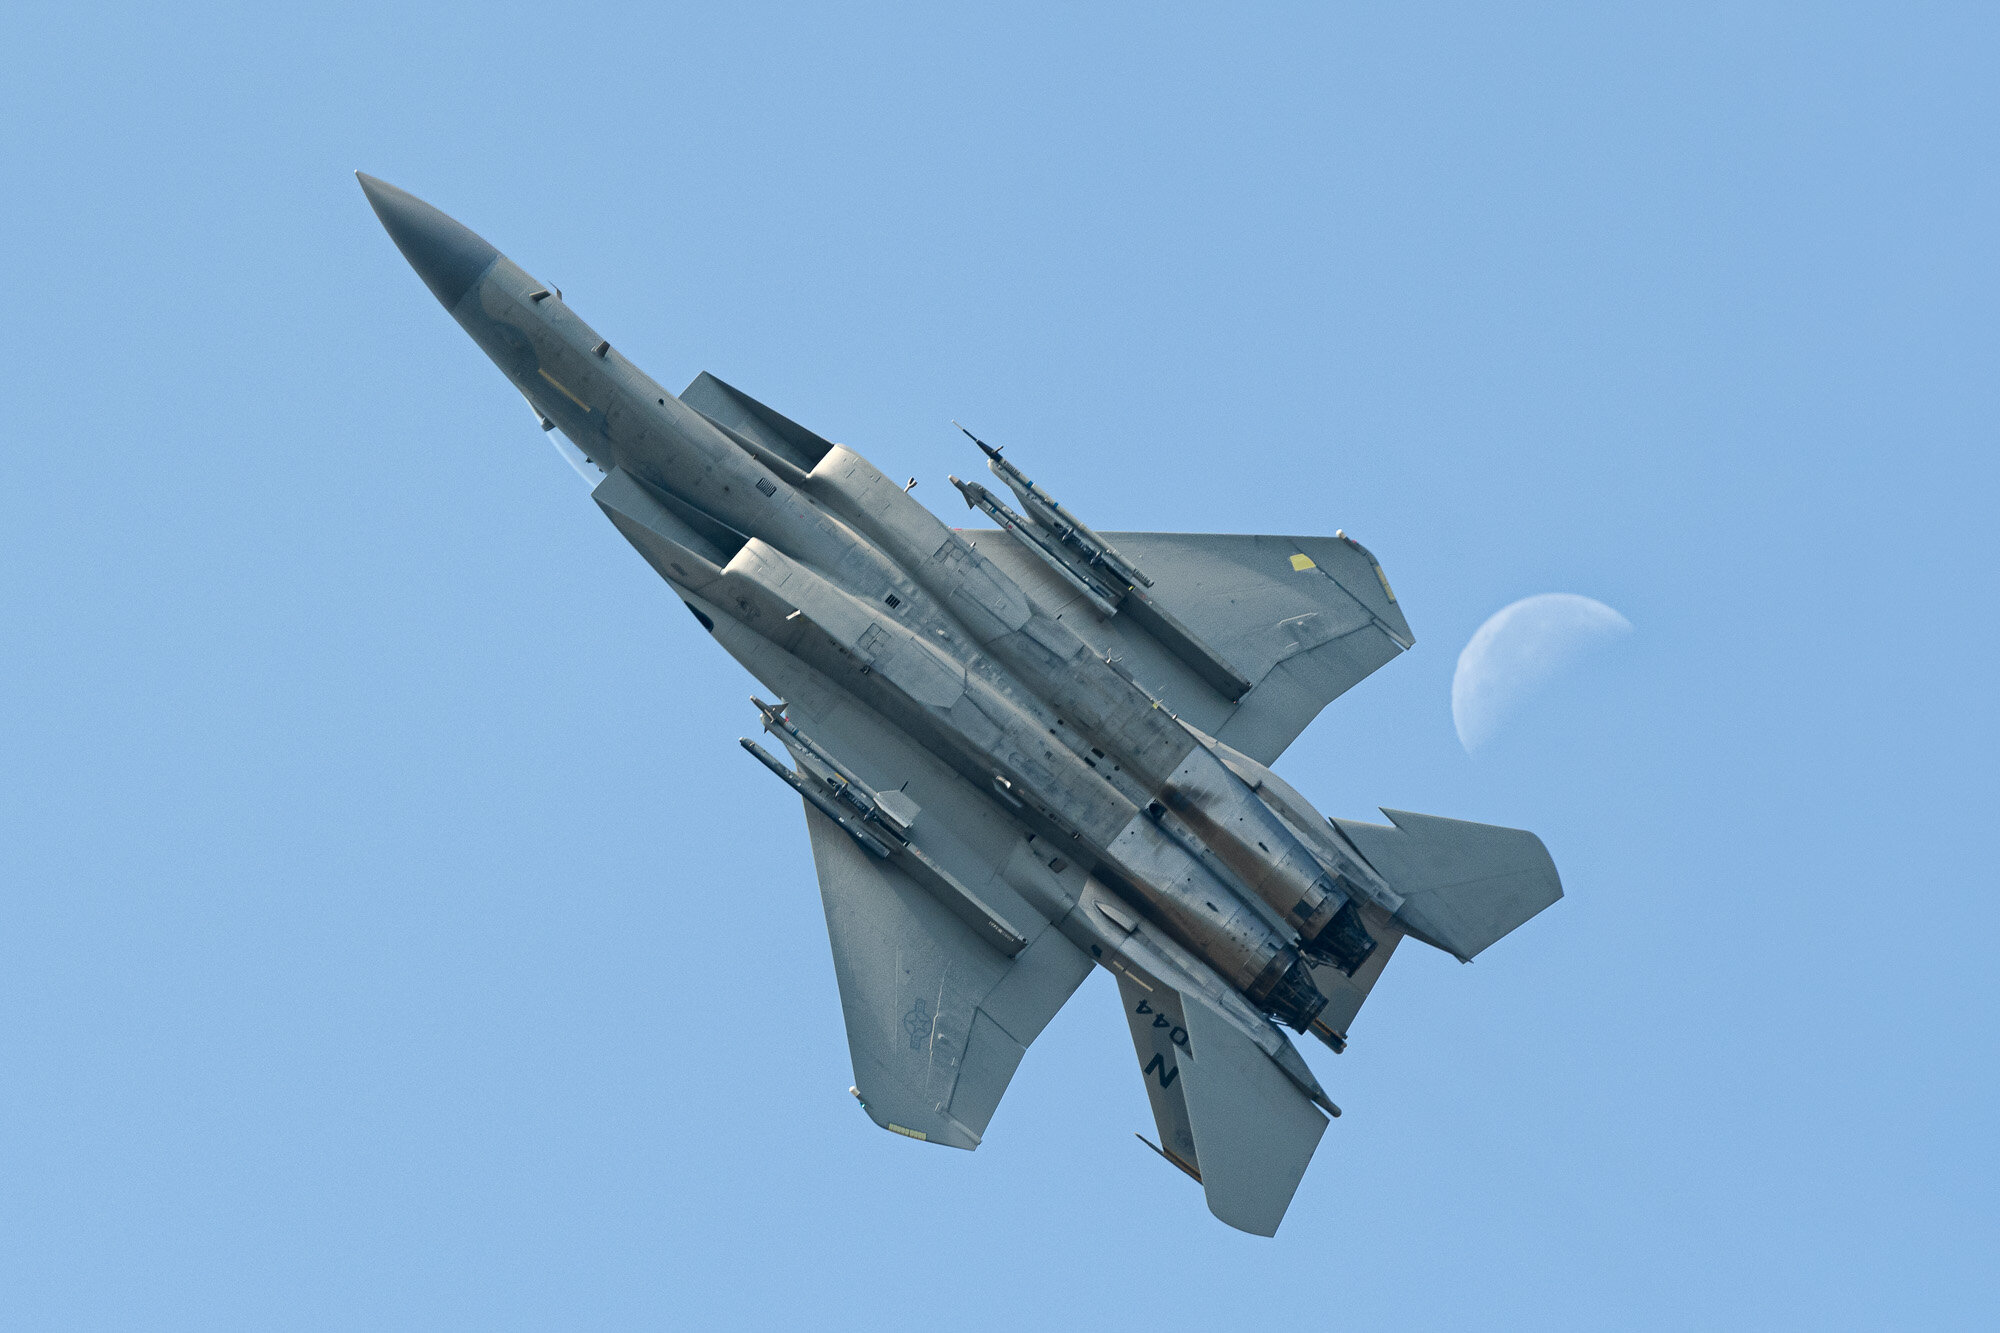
1463	885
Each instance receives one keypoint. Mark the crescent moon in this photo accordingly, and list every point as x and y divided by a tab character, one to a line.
1520	648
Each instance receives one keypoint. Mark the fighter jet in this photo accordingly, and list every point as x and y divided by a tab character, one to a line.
1025	750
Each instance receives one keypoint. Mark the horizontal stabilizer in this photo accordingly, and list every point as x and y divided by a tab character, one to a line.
1463	885
1254	1130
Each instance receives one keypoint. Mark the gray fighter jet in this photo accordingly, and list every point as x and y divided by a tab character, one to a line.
1025	751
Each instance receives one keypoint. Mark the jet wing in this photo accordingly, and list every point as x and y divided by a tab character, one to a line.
1303	619
938	1017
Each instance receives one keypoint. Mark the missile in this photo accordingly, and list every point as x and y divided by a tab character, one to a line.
962	901
1064	526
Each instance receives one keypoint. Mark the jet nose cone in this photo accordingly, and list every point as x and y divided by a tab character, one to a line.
446	254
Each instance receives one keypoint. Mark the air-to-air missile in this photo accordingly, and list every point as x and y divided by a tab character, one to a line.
1027	751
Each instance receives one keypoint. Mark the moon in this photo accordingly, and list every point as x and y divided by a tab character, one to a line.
1520	648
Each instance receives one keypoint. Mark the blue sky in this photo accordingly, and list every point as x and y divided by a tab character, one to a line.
391	934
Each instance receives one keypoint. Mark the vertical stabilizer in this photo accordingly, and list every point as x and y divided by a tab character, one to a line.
1159	1036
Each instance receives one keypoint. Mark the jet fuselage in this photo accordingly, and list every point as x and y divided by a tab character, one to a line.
842	568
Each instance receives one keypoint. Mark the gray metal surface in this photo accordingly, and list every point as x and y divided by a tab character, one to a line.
937	1020
1254	1132
1302	636
1464	885
1160	1038
1024	752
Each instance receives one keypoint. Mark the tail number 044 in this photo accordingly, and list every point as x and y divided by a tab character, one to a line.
1178	1036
